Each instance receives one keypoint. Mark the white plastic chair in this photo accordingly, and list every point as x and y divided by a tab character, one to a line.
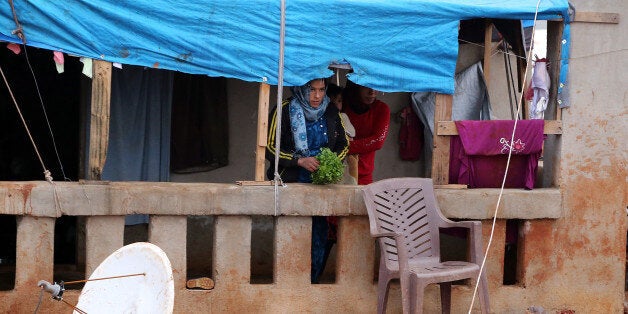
404	216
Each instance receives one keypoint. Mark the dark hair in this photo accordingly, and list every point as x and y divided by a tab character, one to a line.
333	90
318	79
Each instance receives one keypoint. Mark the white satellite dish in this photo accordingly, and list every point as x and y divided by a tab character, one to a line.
143	282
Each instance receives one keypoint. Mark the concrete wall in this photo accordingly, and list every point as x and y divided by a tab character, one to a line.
583	254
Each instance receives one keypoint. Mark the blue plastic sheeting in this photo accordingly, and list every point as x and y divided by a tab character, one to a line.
391	45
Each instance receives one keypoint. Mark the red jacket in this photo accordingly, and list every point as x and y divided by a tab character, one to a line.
371	129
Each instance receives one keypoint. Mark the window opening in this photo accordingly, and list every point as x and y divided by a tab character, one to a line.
8	246
262	249
200	251
511	252
66	266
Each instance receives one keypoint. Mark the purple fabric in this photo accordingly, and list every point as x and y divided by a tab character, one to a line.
479	154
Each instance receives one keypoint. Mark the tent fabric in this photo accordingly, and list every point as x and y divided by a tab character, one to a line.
139	133
403	45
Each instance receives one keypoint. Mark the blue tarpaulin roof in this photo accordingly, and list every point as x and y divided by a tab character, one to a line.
396	45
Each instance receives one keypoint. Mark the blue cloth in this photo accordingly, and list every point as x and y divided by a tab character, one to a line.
316	140
527	23
139	133
393	46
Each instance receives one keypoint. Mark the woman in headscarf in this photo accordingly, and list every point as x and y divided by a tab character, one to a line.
370	118
308	124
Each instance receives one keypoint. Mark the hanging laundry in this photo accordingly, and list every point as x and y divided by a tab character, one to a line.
540	85
87	66
59	61
479	154
15	48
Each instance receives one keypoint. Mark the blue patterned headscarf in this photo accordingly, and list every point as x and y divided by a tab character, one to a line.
300	111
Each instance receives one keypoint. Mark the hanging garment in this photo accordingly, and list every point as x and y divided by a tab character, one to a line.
540	85
200	123
470	102
139	133
410	135
479	153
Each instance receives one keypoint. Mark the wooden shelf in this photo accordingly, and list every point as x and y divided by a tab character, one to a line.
449	127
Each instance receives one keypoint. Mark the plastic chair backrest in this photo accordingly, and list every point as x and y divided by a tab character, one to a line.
406	206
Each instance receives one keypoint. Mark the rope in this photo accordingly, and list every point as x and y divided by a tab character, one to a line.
73	307
501	191
41	296
498	51
59	298
103	278
282	36
43	108
509	79
17	107
19	32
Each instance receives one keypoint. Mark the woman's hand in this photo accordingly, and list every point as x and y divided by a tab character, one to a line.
309	163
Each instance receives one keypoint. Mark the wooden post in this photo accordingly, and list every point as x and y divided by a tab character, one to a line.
551	145
262	130
440	155
488	35
99	118
554	48
97	146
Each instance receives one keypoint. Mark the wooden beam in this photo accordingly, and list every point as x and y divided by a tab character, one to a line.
99	119
449	127
488	38
596	17
262	130
255	183
440	154
451	186
552	144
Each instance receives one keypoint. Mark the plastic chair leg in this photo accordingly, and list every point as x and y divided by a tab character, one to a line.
445	297
382	293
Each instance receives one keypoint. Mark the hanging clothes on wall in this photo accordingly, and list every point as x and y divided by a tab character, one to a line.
479	153
540	85
470	102
139	130
200	123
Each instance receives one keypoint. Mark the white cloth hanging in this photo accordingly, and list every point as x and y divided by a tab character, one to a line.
540	85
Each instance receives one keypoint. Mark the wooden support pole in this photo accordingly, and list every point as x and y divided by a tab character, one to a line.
554	48
262	130
552	144
488	35
100	113
99	118
440	155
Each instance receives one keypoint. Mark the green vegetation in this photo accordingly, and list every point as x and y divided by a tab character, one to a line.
330	169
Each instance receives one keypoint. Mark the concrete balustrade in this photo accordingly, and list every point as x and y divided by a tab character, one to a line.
37	204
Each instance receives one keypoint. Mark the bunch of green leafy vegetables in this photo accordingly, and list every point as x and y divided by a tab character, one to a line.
330	169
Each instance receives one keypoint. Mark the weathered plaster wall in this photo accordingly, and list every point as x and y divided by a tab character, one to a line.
577	262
